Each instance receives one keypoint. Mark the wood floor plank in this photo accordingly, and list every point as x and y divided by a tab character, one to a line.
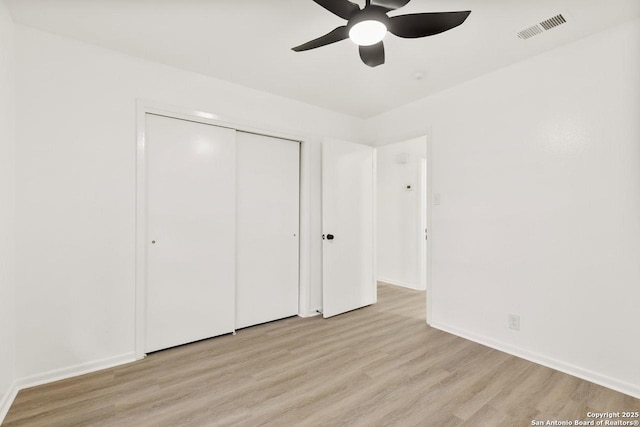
376	366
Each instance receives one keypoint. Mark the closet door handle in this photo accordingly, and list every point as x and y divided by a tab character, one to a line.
329	236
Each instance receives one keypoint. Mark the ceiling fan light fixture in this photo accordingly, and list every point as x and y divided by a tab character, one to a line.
367	26
367	33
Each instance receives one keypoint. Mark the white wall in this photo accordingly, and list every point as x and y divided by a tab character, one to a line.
538	166
7	205
76	187
399	225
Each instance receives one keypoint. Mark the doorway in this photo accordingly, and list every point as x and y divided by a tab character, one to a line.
403	215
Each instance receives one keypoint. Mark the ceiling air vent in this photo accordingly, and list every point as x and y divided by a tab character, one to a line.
530	32
542	27
553	22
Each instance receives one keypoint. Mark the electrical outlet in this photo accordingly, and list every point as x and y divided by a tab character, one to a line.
514	322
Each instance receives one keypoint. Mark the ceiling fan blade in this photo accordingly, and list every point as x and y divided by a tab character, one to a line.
336	35
372	55
343	8
391	4
425	24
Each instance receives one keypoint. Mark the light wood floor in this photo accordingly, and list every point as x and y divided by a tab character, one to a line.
380	365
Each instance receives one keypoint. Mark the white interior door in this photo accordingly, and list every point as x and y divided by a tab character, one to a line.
191	169
348	226
267	229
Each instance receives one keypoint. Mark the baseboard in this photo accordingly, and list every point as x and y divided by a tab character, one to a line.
398	283
60	374
7	400
576	371
74	371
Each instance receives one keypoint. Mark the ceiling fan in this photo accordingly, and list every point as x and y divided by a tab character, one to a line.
367	26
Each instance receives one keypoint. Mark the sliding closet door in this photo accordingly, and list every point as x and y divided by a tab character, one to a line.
191	231
267	228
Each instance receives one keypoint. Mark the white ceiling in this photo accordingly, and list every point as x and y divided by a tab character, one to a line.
249	42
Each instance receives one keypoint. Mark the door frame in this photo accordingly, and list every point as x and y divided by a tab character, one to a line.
428	193
426	208
144	107
423	237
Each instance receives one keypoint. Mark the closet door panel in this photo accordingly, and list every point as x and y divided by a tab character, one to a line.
267	228
191	231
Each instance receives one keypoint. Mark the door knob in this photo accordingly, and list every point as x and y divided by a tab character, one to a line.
329	236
